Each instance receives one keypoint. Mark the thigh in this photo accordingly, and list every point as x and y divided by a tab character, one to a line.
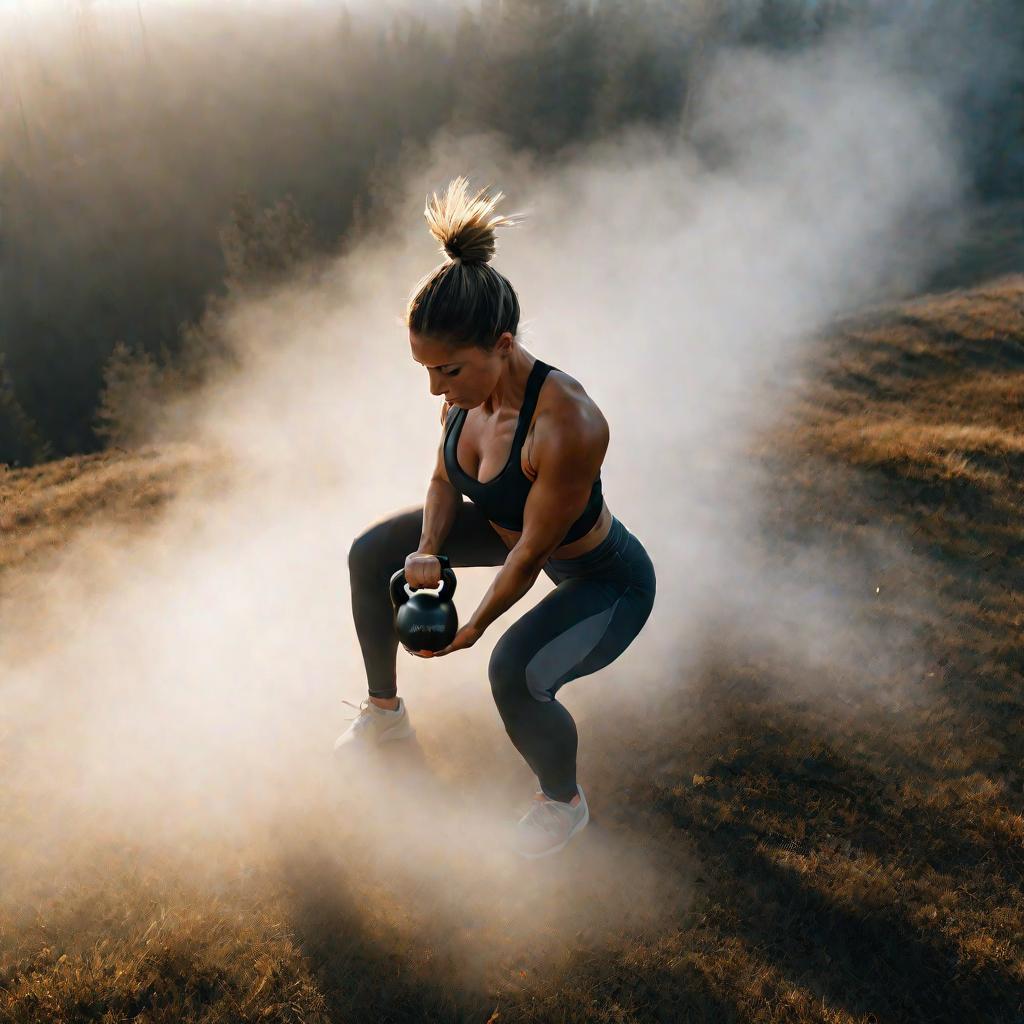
580	627
472	541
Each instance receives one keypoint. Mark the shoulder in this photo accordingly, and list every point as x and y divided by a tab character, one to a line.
564	403
568	425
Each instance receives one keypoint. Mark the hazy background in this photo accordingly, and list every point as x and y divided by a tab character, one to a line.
146	147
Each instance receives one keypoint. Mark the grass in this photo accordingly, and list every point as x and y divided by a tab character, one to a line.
833	853
43	507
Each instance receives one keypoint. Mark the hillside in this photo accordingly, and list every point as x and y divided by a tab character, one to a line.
856	857
43	506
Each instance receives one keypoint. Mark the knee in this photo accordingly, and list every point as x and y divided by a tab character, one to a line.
369	551
508	681
511	682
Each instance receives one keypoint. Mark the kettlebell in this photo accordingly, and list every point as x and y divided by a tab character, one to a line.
424	619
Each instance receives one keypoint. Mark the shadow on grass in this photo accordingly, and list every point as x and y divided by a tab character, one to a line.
360	977
449	932
365	968
870	960
864	954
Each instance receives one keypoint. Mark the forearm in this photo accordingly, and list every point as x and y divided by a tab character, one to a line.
439	512
514	579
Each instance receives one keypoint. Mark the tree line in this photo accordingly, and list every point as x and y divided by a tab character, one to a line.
155	165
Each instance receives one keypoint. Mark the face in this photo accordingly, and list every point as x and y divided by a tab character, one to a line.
464	376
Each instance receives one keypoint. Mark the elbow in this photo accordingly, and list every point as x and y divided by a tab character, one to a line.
529	563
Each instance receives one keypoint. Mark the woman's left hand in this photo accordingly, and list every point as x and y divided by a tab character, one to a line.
466	637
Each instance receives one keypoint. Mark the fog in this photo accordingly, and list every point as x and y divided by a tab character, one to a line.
183	687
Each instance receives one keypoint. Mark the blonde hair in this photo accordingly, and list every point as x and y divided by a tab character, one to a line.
464	301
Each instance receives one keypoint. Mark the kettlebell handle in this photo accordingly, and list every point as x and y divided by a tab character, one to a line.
401	591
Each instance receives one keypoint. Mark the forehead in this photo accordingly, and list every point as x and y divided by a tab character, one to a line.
432	353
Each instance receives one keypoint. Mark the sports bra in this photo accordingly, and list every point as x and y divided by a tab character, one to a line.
503	498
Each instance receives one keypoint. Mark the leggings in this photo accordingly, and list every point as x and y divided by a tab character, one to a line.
600	603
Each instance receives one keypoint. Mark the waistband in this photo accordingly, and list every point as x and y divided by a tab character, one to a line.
617	539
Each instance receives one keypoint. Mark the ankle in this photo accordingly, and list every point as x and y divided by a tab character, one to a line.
388	703
573	802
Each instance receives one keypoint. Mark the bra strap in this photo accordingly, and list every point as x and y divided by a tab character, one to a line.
537	374
451	419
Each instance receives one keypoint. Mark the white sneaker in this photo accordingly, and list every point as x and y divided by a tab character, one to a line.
549	825
374	725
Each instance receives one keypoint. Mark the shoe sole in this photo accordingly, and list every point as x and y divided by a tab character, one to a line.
561	846
388	738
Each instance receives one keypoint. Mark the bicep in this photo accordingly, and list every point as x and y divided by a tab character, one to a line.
568	461
440	472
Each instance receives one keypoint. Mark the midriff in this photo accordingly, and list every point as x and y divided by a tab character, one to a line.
578	547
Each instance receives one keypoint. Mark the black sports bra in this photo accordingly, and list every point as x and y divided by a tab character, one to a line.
503	498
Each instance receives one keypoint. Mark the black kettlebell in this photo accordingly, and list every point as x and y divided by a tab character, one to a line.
424	620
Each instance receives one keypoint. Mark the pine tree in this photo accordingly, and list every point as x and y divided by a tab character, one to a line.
20	442
260	249
261	246
132	383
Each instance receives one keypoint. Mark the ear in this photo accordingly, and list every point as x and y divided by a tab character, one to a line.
504	343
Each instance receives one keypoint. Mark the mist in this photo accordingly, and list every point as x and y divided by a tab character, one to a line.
180	688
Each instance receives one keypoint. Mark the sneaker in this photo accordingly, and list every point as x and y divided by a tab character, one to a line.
548	825
374	725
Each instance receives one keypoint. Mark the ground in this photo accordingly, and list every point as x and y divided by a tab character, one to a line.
832	851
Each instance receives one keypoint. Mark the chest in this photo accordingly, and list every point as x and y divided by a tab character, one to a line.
484	447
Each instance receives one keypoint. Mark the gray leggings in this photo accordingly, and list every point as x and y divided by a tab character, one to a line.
600	603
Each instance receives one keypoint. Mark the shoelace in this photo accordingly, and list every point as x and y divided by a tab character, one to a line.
363	708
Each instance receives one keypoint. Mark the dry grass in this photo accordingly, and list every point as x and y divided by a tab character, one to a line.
43	507
852	858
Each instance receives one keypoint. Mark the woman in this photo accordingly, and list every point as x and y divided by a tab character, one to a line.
524	442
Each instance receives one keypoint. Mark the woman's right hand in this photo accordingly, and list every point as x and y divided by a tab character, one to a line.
422	570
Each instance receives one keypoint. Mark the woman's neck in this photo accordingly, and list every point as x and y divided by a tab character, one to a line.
510	389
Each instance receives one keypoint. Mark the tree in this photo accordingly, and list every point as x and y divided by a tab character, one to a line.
20	443
132	383
261	246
